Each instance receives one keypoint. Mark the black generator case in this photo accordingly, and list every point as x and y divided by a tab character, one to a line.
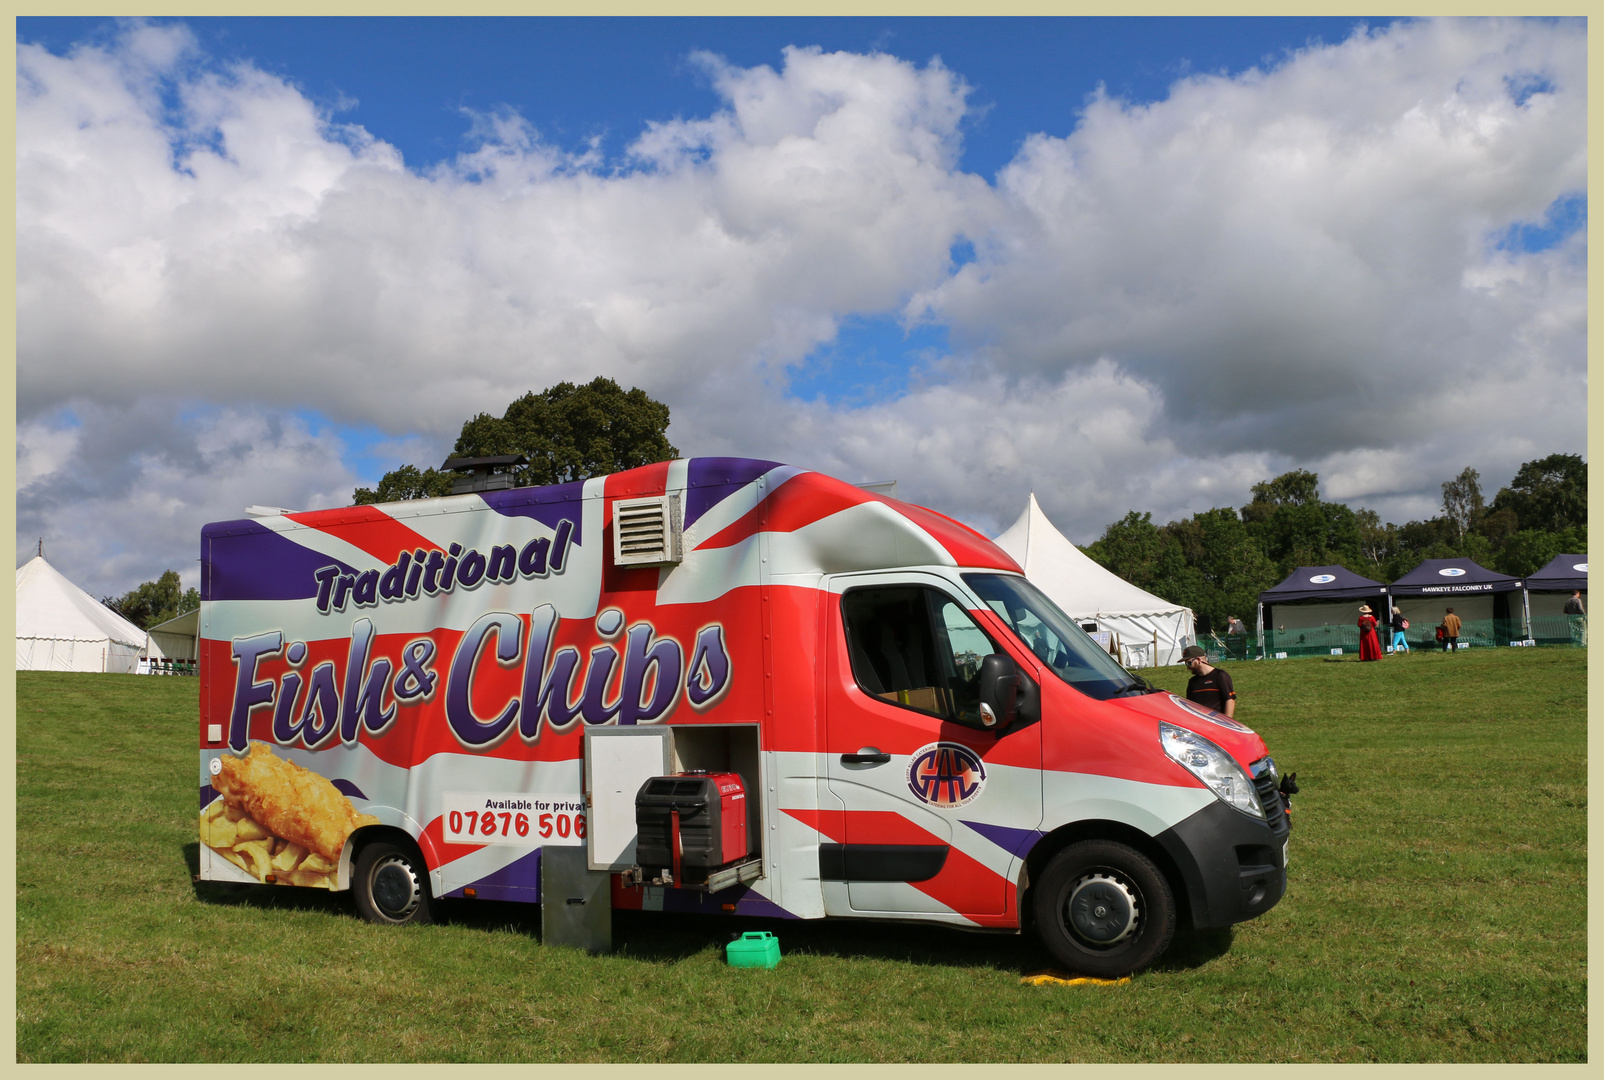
712	810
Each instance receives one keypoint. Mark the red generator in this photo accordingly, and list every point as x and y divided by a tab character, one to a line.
690	824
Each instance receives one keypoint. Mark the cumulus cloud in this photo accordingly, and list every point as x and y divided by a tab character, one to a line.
1305	260
1291	267
127	487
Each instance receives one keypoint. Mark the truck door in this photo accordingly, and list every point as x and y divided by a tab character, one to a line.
927	808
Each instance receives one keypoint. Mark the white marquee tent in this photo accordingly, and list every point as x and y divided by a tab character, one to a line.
1087	592
177	637
62	628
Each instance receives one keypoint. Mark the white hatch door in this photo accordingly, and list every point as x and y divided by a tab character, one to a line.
618	760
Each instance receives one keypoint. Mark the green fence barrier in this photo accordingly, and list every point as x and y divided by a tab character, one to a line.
1560	629
1477	634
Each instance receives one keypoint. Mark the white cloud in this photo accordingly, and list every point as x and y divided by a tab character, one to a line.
1293	267
1286	253
121	496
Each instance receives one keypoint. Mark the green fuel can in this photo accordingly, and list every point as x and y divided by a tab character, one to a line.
754	949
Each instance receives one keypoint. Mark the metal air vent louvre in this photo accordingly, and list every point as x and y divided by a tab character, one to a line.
646	531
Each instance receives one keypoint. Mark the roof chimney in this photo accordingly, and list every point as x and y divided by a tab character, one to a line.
483	473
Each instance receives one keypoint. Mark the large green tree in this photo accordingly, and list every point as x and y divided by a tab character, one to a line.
154	601
567	432
1294	527
1462	503
1549	493
1135	549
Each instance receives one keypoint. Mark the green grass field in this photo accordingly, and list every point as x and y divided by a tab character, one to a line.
1436	912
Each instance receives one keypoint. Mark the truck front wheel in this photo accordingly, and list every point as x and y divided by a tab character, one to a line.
1103	909
391	885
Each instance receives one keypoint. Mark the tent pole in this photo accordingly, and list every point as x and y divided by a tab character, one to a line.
1526	612
1261	629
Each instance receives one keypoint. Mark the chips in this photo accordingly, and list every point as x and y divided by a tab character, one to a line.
278	819
233	834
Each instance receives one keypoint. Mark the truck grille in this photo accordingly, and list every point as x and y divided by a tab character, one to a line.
1275	811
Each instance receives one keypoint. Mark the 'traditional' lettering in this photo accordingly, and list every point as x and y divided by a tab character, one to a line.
432	571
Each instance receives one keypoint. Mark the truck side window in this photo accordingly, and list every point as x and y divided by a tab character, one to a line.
917	647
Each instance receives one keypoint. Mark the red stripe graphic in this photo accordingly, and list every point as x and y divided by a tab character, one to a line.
436	852
809	497
966	546
965	885
643	482
365	527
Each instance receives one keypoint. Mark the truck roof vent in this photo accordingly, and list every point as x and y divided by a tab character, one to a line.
646	532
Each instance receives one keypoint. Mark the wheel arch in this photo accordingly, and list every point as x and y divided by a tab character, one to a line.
1102	829
369	834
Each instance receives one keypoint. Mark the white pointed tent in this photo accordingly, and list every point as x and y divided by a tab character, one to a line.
1086	591
62	628
176	638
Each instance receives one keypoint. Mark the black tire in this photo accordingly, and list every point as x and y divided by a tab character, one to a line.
391	885
1103	909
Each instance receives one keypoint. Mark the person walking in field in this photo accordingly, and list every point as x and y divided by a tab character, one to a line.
1369	643
1450	631
1399	625
1578	617
1209	686
1236	638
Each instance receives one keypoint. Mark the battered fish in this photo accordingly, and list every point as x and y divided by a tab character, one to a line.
293	803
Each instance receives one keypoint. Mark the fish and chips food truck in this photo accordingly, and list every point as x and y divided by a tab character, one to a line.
734	686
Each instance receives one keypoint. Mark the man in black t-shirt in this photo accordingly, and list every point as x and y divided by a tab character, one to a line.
1209	686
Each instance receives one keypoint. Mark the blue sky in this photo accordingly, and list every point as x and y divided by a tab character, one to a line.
406	80
263	260
409	80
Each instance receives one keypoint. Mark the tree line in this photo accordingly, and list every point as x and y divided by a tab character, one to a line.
1218	561
154	602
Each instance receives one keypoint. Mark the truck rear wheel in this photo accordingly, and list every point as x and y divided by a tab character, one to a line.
391	885
1103	909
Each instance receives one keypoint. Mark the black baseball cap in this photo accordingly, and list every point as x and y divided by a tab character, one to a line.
1193	652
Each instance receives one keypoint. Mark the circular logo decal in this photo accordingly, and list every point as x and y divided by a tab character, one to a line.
216	766
946	774
1451	571
1323	579
1582	566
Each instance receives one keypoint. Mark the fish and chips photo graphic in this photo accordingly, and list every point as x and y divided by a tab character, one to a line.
277	821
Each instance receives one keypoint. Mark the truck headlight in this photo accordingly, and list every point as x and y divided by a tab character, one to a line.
1212	765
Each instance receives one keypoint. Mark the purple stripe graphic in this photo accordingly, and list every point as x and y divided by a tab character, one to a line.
348	788
208	794
745	900
518	880
711	480
547	505
1014	841
241	560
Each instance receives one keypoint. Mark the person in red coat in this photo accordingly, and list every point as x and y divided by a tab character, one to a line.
1369	643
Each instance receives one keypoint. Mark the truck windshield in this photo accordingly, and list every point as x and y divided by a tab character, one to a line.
1053	636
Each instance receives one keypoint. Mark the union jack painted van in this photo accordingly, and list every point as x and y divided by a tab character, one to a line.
410	700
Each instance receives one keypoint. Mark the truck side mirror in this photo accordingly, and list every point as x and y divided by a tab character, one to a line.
999	691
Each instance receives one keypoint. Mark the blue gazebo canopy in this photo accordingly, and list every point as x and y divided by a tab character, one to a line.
1452	577
1564	574
1321	583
